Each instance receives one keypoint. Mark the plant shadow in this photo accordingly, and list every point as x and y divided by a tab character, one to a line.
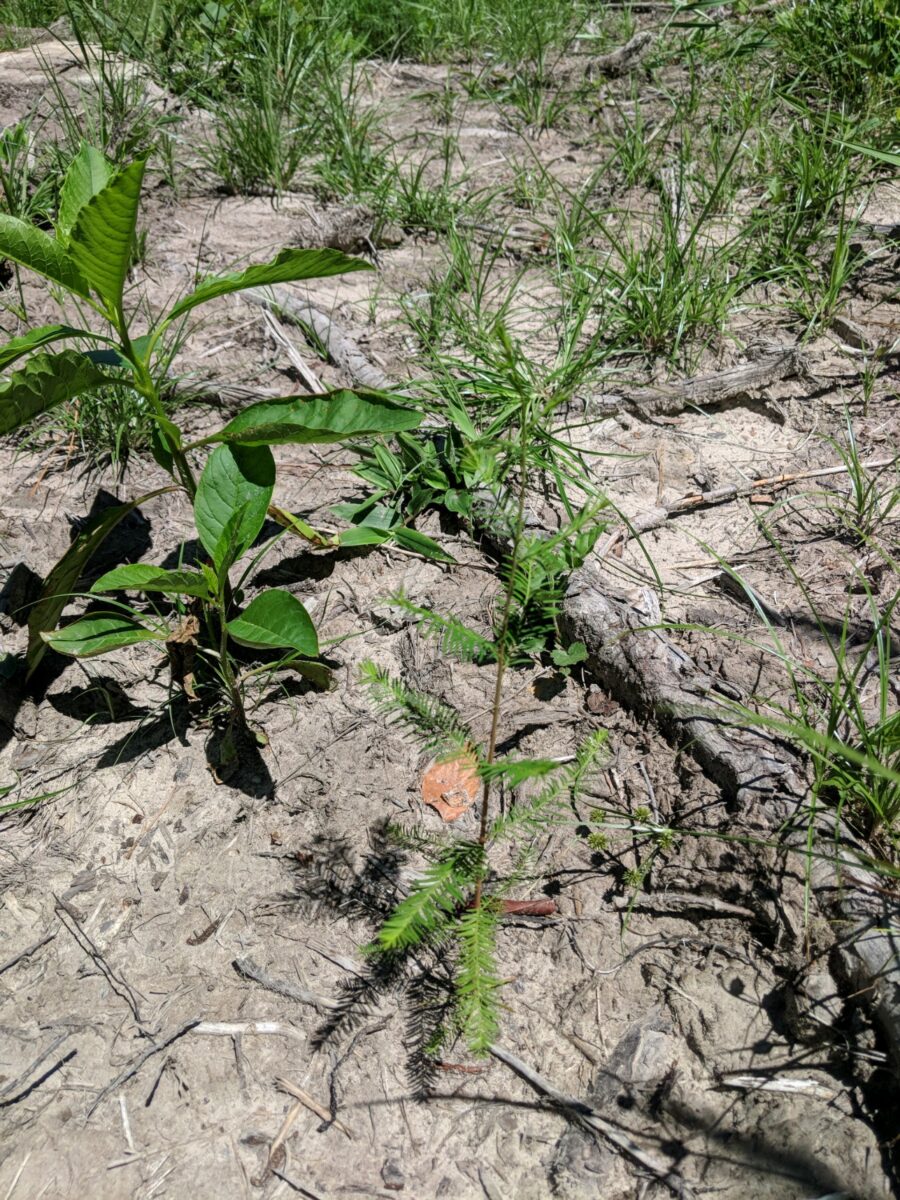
103	701
328	877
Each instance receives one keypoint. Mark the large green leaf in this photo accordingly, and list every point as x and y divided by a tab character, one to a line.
276	620
362	535
89	172
420	543
289	266
102	240
145	577
329	418
99	634
31	247
232	498
61	581
33	340
45	381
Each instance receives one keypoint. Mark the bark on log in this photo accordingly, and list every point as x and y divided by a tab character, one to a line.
341	350
702	390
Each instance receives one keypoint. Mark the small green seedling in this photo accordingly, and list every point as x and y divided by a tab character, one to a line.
459	899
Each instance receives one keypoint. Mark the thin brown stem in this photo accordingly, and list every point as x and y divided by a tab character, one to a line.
502	637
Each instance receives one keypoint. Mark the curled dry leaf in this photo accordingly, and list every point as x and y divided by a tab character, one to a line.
181	645
450	787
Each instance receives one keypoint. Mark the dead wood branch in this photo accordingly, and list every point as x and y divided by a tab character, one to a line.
275	328
702	390
340	349
249	969
312	1104
21	1080
135	1065
634	660
655	518
624	58
28	951
119	985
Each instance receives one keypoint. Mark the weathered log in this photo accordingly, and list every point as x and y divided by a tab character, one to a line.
702	390
342	350
761	776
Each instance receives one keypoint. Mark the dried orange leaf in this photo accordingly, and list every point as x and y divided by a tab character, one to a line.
451	787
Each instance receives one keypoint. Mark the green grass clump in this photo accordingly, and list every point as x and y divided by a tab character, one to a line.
846	51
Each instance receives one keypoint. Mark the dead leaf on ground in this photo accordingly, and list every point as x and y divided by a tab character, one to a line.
451	787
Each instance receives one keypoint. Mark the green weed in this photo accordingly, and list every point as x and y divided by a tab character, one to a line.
88	256
846	51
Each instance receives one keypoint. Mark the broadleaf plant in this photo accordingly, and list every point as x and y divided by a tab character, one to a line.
88	256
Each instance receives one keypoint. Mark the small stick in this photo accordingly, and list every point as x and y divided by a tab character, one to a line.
17	1176
584	1115
793	1087
312	1104
308	379
236	1028
652	794
249	969
341	349
772	483
286	1126
119	985
623	58
126	1124
137	1063
42	1057
28	951
700	390
679	900
529	908
724	495
296	1186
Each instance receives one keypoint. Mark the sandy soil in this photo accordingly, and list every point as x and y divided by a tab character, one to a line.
147	912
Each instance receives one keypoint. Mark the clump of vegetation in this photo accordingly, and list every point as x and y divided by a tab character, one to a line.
89	256
729	173
458	901
846	51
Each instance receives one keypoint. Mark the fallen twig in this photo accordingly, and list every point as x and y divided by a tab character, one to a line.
250	970
135	1065
341	349
118	984
583	1114
238	1028
759	773
664	901
28	951
623	58
21	1079
308	379
313	1105
277	1156
529	908
702	390
298	1187
657	517
791	1087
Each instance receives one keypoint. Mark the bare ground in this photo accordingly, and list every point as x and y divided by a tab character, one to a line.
138	1060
